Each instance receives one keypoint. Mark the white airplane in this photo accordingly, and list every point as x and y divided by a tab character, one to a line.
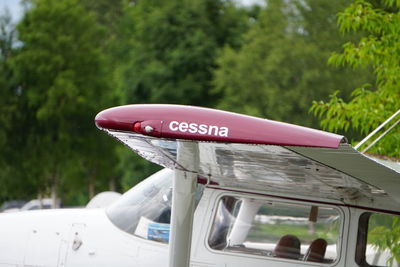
236	191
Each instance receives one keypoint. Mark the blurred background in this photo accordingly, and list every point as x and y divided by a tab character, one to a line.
324	64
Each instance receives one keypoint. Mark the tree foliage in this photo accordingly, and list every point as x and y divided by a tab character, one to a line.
63	84
386	237
371	103
74	58
281	66
168	54
171	49
11	113
7	36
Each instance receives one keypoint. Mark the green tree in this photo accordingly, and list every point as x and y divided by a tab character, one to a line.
11	109
371	103
7	38
168	53
60	68
109	14
172	47
281	66
384	234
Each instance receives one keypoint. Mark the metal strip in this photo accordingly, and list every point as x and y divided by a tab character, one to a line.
376	130
183	200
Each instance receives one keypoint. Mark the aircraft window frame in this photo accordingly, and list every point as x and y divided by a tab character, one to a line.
362	239
144	211
257	253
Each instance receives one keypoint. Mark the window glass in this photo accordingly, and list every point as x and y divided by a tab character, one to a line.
276	229
383	240
145	210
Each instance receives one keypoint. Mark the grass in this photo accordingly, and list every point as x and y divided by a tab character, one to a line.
273	232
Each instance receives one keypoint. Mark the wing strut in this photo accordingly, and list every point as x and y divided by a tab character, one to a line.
184	189
376	130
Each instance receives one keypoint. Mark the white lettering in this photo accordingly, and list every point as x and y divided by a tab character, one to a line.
183	127
195	128
173	126
210	130
202	129
223	132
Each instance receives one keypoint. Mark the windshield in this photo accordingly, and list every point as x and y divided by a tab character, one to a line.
145	210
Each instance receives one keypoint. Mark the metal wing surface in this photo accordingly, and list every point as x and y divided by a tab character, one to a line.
333	175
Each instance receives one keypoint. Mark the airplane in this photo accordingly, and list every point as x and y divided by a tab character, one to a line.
235	191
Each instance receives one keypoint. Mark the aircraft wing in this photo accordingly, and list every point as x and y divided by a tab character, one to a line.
247	154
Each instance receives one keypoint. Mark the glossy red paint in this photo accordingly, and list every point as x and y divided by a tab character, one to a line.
204	124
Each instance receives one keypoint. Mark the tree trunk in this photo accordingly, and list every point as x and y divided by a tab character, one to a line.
54	202
91	187
112	185
54	189
40	198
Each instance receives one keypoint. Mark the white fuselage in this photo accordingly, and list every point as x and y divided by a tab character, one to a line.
73	237
87	237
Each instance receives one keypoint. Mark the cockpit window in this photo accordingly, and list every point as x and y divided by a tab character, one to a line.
276	229
145	210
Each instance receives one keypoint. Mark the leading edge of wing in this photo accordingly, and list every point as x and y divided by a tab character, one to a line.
204	124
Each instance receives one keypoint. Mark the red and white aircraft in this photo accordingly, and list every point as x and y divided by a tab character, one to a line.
236	191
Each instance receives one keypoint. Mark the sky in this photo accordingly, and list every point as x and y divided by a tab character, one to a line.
13	6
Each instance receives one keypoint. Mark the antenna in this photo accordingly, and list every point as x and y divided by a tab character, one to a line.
376	130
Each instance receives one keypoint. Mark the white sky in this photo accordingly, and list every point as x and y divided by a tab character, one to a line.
13	6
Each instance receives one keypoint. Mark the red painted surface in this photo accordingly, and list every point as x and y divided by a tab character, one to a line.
203	124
